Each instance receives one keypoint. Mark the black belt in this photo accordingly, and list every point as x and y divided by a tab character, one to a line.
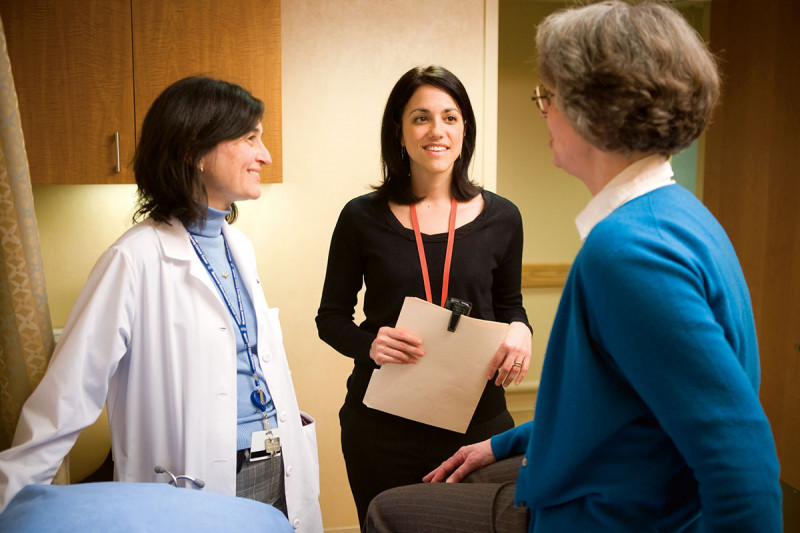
242	456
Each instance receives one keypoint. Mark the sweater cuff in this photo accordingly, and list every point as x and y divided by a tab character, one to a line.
512	442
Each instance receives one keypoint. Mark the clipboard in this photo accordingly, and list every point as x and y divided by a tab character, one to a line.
444	388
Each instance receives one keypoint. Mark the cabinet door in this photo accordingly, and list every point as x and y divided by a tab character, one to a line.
237	41
72	67
752	185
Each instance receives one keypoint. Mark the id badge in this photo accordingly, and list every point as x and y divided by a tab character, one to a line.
265	444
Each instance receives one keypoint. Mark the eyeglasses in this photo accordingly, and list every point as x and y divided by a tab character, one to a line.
542	96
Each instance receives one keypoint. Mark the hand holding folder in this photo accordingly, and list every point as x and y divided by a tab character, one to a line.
444	388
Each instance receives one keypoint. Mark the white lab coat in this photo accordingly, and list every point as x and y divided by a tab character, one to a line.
151	336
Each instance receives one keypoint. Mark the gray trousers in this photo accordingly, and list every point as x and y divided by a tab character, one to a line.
262	481
482	502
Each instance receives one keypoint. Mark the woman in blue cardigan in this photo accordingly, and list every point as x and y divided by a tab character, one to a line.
648	416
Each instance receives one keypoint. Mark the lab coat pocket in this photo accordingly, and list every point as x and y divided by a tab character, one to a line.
310	435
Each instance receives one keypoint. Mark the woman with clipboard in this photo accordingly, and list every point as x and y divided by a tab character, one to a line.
427	231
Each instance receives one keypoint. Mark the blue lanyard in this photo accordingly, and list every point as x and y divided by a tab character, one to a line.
257	396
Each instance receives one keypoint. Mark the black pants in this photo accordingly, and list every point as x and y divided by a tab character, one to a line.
383	451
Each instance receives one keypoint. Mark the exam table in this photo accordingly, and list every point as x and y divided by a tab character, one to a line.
135	507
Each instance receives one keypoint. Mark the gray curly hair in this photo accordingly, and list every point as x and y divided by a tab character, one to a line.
629	77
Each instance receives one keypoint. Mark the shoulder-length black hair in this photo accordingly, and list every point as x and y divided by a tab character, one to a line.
185	122
396	185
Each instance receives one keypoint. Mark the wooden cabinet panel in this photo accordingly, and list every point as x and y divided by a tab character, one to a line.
235	41
77	65
72	66
752	185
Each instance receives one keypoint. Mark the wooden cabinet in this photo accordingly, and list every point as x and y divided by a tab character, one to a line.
236	41
73	70
86	72
752	185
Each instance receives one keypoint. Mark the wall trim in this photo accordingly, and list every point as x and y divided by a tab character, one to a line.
544	274
524	387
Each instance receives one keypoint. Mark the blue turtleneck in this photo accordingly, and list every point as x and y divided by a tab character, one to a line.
249	417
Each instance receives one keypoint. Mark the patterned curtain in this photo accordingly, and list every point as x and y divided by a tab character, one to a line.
26	334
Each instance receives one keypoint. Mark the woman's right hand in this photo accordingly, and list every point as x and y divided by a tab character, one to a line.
393	345
465	461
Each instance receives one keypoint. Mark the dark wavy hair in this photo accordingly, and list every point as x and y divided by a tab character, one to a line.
185	122
396	185
629	77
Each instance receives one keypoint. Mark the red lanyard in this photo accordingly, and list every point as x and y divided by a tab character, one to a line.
451	228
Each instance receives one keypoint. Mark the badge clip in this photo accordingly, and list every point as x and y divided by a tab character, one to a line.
457	308
265	444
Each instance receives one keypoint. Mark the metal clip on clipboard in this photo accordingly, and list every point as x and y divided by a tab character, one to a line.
457	308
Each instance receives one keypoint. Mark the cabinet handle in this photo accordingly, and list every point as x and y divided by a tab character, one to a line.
116	142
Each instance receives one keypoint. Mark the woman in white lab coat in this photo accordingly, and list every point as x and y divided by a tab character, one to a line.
173	332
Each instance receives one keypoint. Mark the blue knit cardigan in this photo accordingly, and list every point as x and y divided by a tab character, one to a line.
648	417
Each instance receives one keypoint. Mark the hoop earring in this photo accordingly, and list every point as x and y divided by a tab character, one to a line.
403	152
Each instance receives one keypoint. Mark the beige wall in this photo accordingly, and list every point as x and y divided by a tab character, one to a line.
548	198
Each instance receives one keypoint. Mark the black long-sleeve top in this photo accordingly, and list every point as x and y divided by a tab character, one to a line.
370	245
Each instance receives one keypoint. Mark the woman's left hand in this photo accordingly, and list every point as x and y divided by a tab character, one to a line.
512	359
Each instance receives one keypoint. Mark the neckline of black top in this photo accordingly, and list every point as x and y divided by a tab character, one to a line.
461	231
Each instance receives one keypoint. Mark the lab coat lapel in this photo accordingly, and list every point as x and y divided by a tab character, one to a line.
175	242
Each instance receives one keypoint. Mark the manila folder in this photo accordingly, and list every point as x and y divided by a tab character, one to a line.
443	389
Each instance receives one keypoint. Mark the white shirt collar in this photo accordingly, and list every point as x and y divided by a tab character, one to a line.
639	178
